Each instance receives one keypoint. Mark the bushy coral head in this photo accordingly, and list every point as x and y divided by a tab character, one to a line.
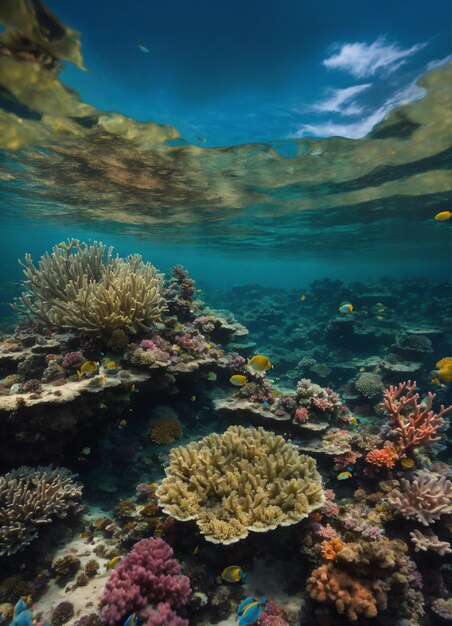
147	576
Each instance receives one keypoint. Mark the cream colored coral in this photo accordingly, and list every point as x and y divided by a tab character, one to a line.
82	287
429	542
246	479
425	498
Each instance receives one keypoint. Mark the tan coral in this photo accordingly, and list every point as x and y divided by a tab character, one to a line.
84	288
246	479
429	542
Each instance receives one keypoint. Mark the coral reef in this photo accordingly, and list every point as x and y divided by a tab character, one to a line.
369	385
30	497
83	287
148	575
246	479
165	430
425	498
431	542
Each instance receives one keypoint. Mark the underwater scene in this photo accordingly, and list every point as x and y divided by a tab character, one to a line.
225	313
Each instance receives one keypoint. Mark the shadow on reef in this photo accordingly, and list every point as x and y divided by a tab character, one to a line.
312	462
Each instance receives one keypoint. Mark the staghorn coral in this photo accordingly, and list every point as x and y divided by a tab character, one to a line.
429	542
147	575
30	497
165	430
414	423
369	386
84	288
425	498
351	596
244	480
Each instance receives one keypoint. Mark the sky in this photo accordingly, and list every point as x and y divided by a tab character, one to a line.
225	72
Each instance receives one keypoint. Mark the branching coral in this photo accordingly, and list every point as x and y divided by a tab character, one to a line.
30	497
148	575
429	542
84	288
382	458
246	479
415	423
425	498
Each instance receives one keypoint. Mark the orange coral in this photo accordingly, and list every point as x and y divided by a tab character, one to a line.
166	430
331	548
351	596
382	458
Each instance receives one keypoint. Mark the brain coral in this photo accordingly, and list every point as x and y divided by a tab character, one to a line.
369	385
30	497
245	479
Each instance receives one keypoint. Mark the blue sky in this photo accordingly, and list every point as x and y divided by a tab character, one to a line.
235	71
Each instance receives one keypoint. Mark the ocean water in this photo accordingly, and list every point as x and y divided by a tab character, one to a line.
295	159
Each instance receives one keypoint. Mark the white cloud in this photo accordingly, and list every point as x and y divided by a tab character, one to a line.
438	62
362	59
341	101
357	130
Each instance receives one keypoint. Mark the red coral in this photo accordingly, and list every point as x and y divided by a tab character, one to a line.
415	423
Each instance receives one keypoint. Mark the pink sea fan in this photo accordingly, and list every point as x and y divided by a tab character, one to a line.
147	575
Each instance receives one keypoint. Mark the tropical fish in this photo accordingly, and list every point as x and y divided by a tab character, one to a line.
249	611
238	380
356	421
111	364
112	563
23	618
443	216
435	381
208	346
133	388
302	298
195	550
87	368
260	362
146	51
344	475
132	620
85	451
362	369
176	347
122	423
193	398
265	403
346	308
379	317
22	605
233	574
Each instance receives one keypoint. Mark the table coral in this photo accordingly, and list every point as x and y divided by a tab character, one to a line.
148	575
30	497
246	479
425	498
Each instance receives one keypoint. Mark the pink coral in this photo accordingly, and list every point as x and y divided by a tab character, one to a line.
325	532
330	509
147	344
165	616
348	458
415	423
302	414
147	575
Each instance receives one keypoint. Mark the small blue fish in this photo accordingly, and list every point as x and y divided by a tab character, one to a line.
21	606
249	611
132	620
346	308
265	403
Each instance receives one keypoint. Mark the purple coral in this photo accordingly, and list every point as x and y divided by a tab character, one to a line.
373	533
31	386
237	363
72	360
147	344
147	575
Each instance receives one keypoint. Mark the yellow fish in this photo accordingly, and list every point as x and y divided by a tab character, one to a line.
193	398
111	365
154	485
435	381
344	475
233	574
208	346
443	216
356	421
122	423
379	317
112	563
87	368
346	308
176	347
362	369
302	298
260	363
238	380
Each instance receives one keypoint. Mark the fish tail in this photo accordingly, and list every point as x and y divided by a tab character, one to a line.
80	374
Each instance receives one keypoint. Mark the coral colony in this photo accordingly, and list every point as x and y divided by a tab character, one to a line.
213	469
